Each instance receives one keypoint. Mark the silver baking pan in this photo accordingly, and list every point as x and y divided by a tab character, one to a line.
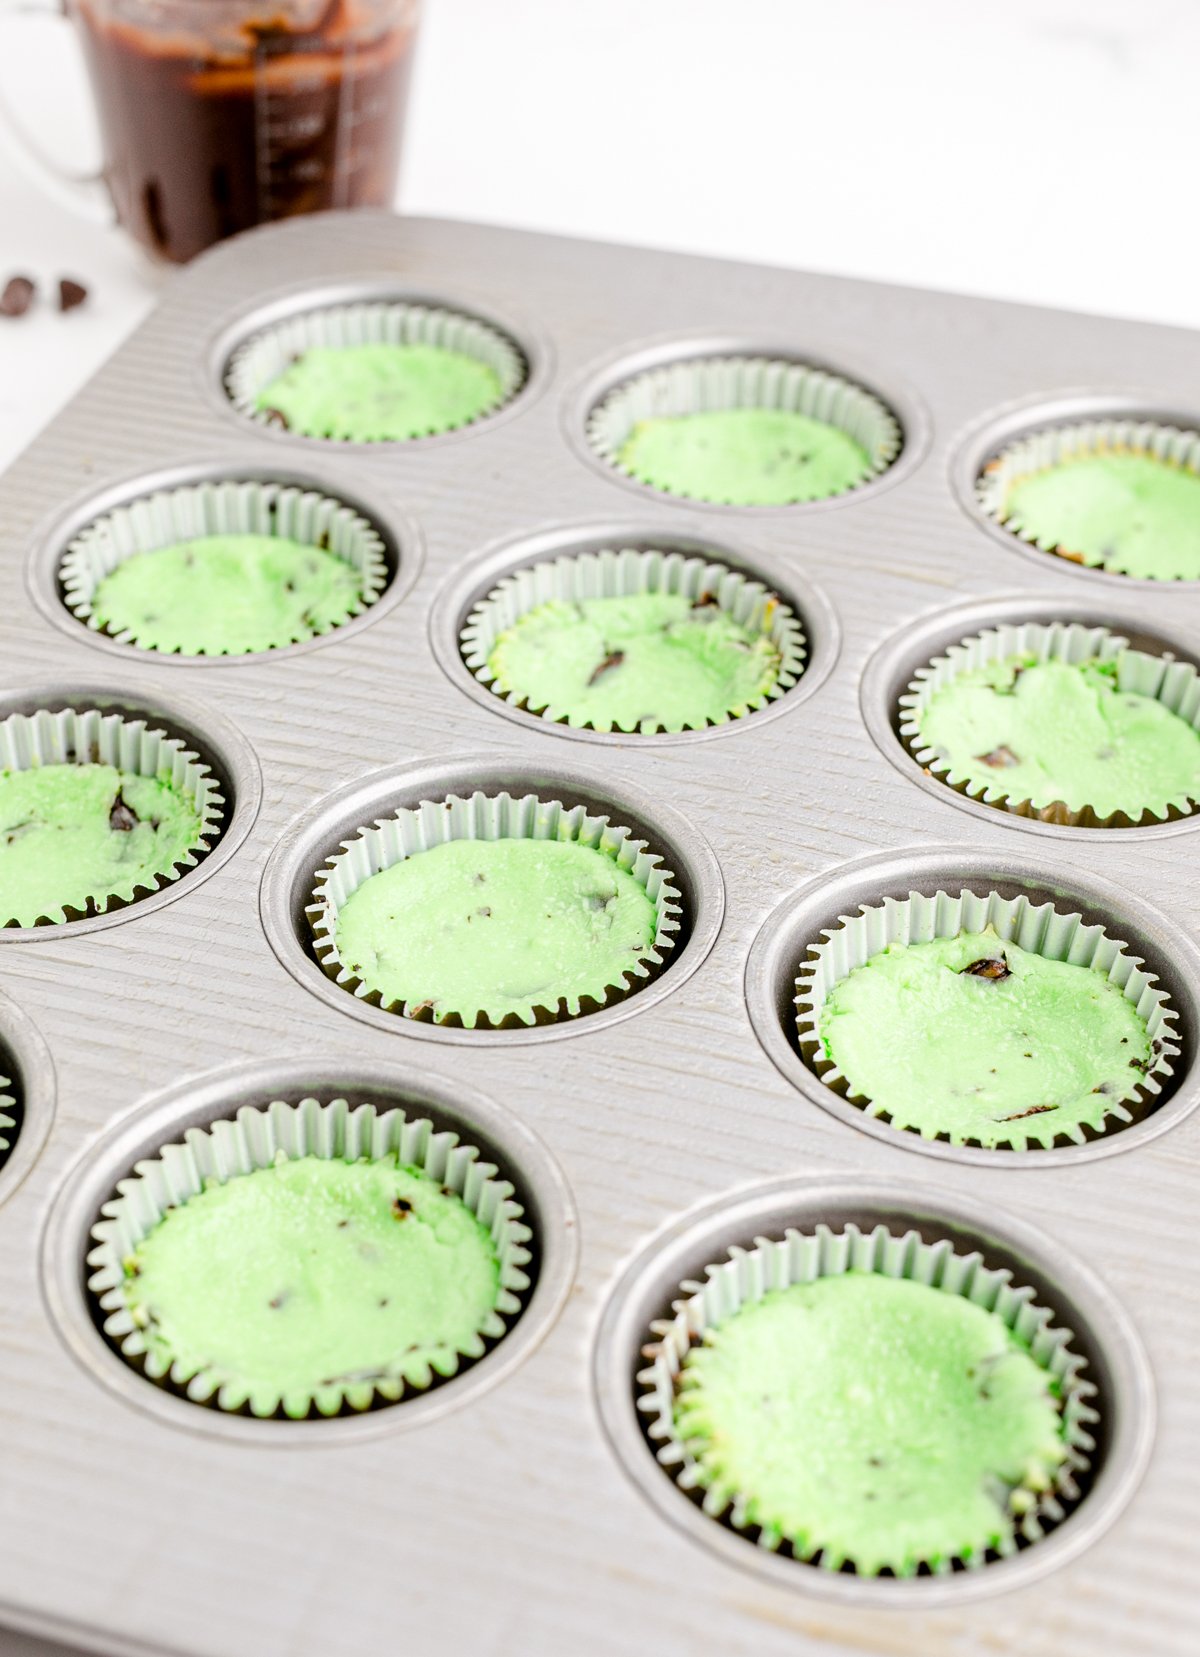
518	1508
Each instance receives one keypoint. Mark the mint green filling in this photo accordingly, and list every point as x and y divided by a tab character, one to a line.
381	392
873	1420
1043	1048
497	929
71	835
1054	731
648	661
744	457
313	1275
1124	512
228	595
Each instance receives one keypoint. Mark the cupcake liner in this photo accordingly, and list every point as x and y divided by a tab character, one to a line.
79	736
1040	450
8	1117
266	354
797	1257
700	384
614	574
489	817
1175	684
229	507
256	1138
1036	927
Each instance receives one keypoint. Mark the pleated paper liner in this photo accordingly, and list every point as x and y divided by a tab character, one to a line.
748	1274
8	1118
1038	928
1173	683
620	573
1040	451
256	1138
80	736
267	354
491	817
221	507
704	384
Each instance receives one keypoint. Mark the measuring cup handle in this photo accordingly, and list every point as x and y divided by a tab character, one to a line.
83	193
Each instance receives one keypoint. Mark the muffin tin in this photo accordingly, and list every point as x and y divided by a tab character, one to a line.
518	1505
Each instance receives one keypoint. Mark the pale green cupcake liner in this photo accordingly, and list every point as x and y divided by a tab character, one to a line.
618	573
490	817
702	384
1173	683
797	1257
1036	927
220	507
1040	450
78	736
8	1118
262	358
258	1137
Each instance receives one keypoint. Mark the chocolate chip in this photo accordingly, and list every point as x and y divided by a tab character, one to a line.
278	1301
999	758
1034	1110
401	1208
275	417
122	817
609	662
70	293
995	969
17	296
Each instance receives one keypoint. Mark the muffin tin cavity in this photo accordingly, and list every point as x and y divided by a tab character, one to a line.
1024	440
818	933
375	822
230	1122
206	761
569	564
26	1095
367	558
737	1246
846	437
253	355
904	670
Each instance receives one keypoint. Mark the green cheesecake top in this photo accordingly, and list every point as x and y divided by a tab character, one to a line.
311	1275
1050	731
228	595
7	1120
74	834
381	392
981	1040
1122	511
492	929
744	457
648	661
872	1419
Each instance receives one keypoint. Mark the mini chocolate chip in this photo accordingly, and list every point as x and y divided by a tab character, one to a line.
994	970
613	660
401	1207
17	296
275	417
1034	1110
278	1301
70	293
385	1301
121	817
999	758
342	1224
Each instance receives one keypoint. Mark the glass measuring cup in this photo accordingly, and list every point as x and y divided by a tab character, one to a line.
216	115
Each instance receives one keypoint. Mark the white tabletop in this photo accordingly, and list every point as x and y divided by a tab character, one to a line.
1040	150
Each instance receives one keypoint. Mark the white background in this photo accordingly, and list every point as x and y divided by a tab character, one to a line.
1042	150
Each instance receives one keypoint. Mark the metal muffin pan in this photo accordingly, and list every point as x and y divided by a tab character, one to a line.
506	1509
